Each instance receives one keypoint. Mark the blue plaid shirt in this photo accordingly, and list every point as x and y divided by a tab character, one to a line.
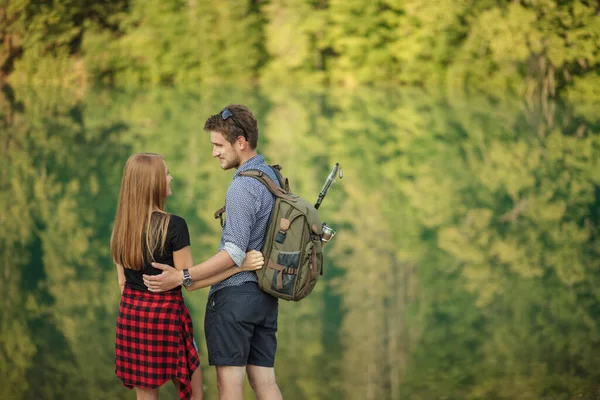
248	206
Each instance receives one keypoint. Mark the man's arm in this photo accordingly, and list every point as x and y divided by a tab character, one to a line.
239	220
183	259
171	277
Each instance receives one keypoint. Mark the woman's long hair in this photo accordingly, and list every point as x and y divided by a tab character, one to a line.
137	231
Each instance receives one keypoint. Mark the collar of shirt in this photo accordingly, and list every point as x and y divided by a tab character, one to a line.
250	163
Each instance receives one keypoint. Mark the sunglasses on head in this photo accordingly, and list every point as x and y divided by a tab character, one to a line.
227	113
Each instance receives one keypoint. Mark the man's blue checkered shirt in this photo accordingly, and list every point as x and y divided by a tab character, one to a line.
248	206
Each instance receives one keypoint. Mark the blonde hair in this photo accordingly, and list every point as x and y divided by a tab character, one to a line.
137	232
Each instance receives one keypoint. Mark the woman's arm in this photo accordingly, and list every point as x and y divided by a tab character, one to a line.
121	277
183	259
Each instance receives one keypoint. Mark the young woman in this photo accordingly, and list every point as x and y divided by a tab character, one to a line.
155	336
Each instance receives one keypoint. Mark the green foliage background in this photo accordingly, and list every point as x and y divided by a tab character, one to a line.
526	47
465	265
466	262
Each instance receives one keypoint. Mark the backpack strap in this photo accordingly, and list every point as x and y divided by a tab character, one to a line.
268	182
219	214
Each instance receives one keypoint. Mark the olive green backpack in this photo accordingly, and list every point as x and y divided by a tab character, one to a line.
293	249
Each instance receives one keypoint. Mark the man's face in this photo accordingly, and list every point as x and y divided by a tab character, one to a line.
226	152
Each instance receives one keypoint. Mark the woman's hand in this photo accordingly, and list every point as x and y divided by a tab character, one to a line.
254	260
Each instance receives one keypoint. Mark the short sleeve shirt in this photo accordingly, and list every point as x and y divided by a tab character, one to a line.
178	237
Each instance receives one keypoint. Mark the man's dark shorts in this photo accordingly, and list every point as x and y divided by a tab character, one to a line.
240	325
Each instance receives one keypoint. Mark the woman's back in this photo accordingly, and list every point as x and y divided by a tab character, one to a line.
177	237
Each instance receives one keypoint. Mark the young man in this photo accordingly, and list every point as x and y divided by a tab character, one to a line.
241	320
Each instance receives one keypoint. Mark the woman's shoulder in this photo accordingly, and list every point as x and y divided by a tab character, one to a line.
176	221
178	234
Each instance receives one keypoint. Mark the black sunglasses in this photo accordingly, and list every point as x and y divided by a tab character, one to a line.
227	113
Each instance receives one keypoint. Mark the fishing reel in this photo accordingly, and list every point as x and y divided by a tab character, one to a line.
328	233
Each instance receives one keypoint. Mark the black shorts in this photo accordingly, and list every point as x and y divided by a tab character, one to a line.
240	325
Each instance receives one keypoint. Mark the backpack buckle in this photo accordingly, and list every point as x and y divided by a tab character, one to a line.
280	237
284	225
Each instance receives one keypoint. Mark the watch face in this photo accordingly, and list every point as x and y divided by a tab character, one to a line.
188	282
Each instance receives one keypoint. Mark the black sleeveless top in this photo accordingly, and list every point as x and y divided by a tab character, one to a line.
178	237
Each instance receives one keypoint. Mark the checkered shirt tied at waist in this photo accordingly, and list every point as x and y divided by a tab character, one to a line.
248	206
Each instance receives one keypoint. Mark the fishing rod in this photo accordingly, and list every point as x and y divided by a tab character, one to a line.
328	232
337	170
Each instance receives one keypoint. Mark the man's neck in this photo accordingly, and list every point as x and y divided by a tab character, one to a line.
246	157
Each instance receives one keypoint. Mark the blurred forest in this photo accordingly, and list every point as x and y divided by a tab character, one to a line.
465	265
536	48
468	248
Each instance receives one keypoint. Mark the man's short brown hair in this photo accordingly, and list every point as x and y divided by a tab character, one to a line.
241	123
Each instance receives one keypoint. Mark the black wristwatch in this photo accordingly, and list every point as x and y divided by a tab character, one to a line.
187	278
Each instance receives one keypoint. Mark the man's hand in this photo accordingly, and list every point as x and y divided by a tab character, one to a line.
254	260
169	279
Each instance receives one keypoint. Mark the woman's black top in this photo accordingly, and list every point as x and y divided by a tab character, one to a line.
178	237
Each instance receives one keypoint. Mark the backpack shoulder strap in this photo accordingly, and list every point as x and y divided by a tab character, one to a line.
268	182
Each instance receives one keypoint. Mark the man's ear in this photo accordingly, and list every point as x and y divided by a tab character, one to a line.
242	143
